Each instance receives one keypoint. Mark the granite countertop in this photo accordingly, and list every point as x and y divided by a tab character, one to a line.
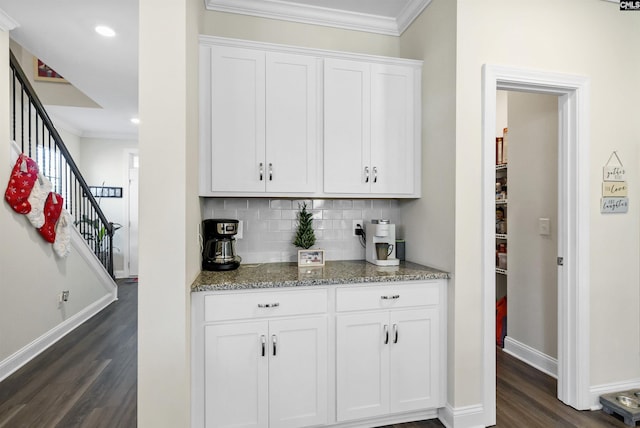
275	275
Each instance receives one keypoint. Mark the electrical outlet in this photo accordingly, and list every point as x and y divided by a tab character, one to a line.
355	226
64	296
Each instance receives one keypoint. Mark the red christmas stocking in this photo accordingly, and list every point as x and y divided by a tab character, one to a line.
23	177
52	210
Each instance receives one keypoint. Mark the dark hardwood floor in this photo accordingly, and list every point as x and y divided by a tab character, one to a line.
89	378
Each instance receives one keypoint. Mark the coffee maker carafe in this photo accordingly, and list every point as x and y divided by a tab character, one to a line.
380	243
219	249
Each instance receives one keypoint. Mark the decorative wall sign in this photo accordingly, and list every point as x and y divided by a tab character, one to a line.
614	187
613	172
106	192
614	205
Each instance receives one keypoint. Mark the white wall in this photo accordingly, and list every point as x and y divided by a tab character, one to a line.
269	226
104	163
56	93
169	208
430	220
508	33
291	33
31	275
533	193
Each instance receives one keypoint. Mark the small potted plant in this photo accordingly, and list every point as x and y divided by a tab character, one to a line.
305	238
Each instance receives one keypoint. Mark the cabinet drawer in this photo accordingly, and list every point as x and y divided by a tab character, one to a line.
264	304
387	296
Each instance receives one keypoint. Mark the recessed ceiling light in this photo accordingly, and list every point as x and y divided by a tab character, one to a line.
135	120
105	31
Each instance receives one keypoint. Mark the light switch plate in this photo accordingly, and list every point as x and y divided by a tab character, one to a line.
544	226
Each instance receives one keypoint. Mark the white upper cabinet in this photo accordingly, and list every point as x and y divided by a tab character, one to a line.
347	126
287	121
237	120
259	122
292	123
371	142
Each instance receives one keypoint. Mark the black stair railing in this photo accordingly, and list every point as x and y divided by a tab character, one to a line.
33	131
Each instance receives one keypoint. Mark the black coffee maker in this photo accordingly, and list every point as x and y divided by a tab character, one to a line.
219	249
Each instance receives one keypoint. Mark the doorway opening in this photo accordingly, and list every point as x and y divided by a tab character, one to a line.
572	224
132	160
526	227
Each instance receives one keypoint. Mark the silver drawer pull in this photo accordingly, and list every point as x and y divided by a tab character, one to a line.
260	171
366	174
395	333
264	344
274	339
268	305
386	334
393	297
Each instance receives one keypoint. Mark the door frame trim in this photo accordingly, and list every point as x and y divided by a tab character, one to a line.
573	226
128	154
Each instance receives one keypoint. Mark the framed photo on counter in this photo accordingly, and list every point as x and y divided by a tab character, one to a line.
310	257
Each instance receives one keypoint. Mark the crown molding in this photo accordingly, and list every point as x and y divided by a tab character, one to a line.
7	23
308	14
410	12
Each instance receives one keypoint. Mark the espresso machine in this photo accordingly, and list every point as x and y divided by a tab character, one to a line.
219	244
380	243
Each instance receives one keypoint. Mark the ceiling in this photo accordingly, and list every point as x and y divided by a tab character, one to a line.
61	33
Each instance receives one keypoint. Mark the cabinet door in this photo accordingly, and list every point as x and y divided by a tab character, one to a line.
362	365
392	134
237	120
414	359
347	126
291	123
298	372
236	375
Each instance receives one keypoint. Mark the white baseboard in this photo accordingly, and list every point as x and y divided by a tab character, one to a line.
531	356
596	391
18	359
462	417
388	420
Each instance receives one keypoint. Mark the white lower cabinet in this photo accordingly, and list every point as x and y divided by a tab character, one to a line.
368	355
266	373
260	359
387	362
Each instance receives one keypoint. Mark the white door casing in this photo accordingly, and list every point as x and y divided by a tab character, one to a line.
573	227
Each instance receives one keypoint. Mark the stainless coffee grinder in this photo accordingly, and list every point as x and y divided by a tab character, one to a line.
219	244
380	243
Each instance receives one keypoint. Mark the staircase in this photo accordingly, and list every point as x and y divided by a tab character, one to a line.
35	135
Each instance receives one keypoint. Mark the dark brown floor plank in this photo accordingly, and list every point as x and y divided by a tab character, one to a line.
88	378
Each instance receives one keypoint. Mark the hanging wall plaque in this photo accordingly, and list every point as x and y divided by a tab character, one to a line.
614	187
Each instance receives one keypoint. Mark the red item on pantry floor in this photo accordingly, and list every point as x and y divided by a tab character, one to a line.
501	321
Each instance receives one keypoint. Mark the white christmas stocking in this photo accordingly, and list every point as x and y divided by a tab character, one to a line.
37	198
62	243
